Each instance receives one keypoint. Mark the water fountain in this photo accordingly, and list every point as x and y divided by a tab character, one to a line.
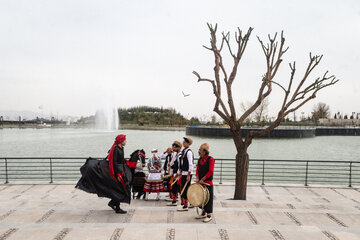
107	119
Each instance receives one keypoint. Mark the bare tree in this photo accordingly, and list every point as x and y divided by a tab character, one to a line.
244	106
292	100
320	110
261	110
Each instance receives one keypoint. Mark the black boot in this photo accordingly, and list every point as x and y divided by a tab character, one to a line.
112	204
119	210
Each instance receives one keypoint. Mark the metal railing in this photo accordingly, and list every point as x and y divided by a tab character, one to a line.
262	171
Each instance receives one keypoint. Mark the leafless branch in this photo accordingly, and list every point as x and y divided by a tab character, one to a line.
274	50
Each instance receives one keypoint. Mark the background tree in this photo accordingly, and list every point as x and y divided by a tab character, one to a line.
213	119
245	106
292	100
261	111
259	114
320	110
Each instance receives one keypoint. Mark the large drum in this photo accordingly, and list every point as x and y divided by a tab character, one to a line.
198	195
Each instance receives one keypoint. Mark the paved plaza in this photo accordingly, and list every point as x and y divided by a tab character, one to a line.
59	211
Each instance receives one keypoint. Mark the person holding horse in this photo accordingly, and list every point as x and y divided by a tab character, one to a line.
204	176
109	177
154	181
185	171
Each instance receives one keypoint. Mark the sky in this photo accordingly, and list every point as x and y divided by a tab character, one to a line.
75	57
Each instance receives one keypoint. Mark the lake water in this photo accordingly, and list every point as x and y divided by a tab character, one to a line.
95	143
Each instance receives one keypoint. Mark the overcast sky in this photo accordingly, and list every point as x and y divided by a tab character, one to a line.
73	57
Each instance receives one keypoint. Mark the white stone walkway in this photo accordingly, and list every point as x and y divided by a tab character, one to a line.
52	211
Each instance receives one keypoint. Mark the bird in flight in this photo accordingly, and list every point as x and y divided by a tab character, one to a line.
185	95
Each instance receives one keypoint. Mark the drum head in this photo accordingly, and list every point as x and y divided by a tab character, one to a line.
198	195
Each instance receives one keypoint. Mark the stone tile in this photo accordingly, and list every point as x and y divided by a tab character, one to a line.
351	220
146	216
66	216
8	233
35	234
144	233
13	189
277	191
317	219
279	218
347	235
261	198
25	216
237	204
186	217
186	234
208	233
232	217
90	233
258	234
301	234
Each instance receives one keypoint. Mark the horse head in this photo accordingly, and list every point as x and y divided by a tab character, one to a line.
135	156
142	157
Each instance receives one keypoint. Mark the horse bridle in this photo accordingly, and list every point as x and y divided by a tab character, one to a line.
141	154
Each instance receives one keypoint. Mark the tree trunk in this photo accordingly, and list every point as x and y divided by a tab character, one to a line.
241	164
242	167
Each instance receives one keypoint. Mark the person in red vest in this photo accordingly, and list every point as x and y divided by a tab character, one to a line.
204	175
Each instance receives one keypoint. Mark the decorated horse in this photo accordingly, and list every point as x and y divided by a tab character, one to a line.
137	155
138	176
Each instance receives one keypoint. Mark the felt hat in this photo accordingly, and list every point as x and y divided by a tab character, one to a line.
205	146
177	143
188	140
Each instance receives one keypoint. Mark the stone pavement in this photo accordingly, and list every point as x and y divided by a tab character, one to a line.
52	211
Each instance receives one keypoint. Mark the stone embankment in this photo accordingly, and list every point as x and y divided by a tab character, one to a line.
280	132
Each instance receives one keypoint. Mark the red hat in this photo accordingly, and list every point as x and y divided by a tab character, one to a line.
120	138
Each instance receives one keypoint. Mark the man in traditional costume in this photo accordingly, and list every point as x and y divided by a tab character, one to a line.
110	177
185	171
174	166
204	175
166	156
154	181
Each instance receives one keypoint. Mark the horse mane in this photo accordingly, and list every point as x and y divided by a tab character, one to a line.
135	153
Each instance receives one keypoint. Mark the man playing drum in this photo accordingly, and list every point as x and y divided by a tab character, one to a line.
204	175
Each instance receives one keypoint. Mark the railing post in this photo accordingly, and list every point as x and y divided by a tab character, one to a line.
263	173
51	173
306	173
6	172
350	174
221	162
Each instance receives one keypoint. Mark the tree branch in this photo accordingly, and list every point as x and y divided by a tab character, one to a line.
225	114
